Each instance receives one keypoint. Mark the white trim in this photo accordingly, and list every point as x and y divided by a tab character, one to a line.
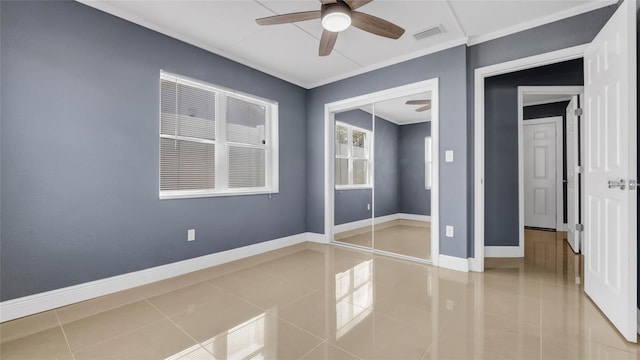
453	263
638	317
356	102
379	220
405	216
316	238
479	75
32	304
503	251
474	265
589	6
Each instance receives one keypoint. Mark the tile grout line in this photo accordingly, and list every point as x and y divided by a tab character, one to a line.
178	326
64	333
123	333
312	349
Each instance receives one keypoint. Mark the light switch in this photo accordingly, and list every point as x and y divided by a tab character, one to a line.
448	156
191	234
449	231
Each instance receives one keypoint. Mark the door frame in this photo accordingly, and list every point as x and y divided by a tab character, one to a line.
480	74
547	90
331	108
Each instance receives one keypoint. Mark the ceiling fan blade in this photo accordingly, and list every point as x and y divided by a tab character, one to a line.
354	4
289	18
375	25
418	102
327	41
327	1
423	108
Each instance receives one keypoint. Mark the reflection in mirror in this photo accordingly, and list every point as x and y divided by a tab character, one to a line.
402	194
353	156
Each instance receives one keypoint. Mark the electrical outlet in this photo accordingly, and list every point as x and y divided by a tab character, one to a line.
448	156
449	231
368	206
191	234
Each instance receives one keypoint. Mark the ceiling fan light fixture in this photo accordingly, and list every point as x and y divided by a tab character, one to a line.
336	18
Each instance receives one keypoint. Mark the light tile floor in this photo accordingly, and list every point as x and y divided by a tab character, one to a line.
314	301
404	237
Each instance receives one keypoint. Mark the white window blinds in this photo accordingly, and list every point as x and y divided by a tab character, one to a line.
215	141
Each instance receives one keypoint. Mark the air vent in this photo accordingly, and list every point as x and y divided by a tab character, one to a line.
429	32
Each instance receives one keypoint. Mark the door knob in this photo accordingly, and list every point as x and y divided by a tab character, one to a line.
616	184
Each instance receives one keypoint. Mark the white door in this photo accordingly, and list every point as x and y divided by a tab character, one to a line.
539	173
573	178
610	156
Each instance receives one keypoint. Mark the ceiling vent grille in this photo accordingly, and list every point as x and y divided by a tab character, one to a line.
429	32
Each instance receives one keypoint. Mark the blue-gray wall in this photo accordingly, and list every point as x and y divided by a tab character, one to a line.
386	175
450	67
550	110
576	30
414	198
79	151
501	144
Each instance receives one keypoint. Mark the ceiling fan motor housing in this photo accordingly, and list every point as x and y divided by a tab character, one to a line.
336	16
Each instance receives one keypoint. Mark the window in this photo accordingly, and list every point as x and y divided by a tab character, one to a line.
215	141
353	154
428	163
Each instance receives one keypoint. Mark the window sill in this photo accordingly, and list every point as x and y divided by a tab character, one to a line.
354	187
171	195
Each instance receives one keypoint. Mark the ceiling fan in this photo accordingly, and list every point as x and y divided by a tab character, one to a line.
336	16
426	103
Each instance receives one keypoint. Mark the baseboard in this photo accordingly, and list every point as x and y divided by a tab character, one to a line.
352	225
404	216
32	304
503	251
453	263
474	265
316	238
379	220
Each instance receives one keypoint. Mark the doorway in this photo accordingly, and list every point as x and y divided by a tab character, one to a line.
610	164
381	172
555	108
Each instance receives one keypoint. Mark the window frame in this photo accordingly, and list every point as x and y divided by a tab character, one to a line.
428	163
222	145
350	158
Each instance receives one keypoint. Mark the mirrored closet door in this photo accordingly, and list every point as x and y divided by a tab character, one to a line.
382	188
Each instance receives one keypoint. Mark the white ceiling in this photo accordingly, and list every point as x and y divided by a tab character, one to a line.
398	112
290	51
